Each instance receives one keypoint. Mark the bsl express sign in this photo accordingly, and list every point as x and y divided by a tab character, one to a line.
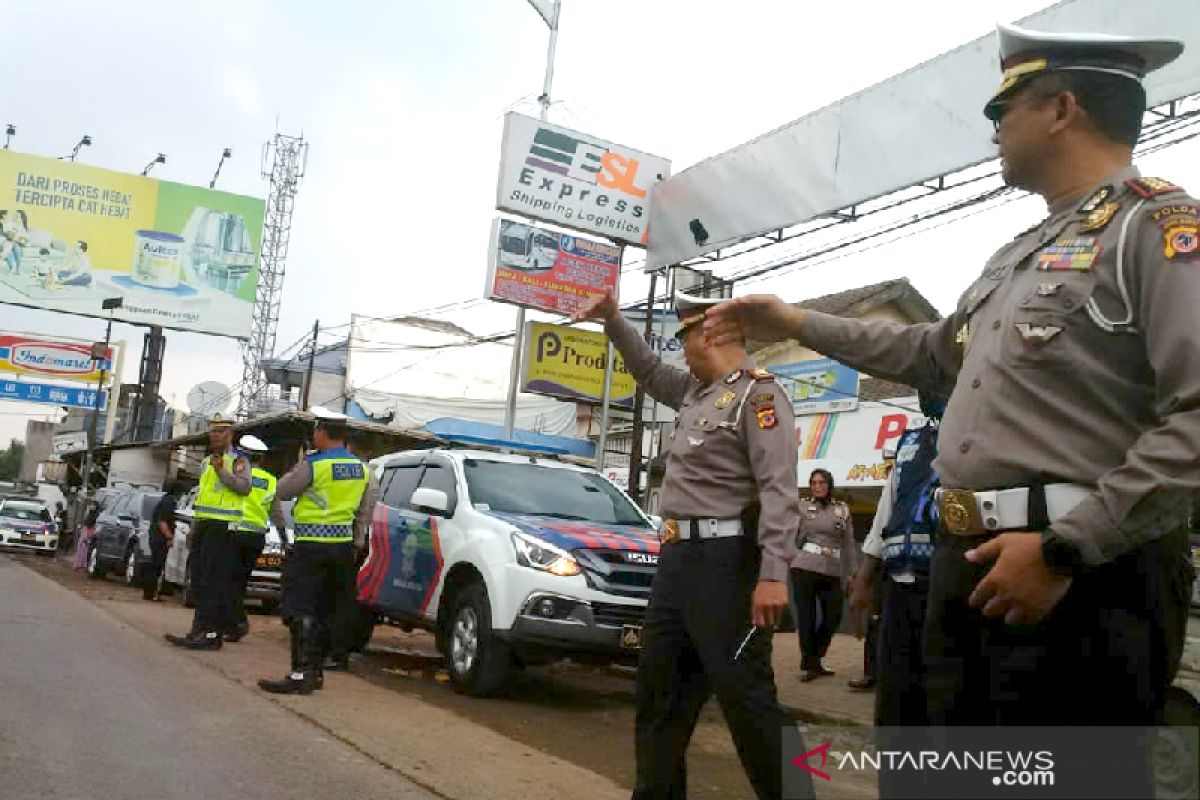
51	358
559	175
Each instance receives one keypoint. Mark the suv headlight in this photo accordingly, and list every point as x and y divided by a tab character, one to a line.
533	552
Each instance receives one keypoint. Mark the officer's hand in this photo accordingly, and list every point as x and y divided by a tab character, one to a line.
602	307
767	605
762	317
1019	586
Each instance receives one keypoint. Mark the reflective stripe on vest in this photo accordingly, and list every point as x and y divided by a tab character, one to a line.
325	511
910	533
256	508
215	500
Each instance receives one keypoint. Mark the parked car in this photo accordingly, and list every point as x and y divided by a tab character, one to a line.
265	580
508	559
122	540
26	523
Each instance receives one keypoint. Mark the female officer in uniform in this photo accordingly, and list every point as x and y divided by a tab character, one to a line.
823	561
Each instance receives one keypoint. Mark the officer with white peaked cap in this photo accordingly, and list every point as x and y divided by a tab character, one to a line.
1070	448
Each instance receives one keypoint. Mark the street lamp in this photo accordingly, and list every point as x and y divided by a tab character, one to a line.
99	353
161	158
226	153
10	131
85	141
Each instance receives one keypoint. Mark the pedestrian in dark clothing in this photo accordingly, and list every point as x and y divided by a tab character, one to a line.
162	532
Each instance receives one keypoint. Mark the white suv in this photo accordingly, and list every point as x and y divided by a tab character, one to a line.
508	559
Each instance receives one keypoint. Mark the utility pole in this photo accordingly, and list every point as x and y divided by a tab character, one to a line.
99	354
639	400
308	376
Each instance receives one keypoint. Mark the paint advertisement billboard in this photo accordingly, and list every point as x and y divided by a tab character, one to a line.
72	235
568	363
539	268
555	174
819	385
54	358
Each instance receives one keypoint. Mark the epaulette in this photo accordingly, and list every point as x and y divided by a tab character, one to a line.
761	375
1152	187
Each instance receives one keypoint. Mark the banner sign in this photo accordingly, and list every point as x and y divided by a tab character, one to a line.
65	443
575	180
51	358
565	362
51	395
539	268
819	386
73	235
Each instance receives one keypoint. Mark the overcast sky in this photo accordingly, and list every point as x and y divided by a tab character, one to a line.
402	103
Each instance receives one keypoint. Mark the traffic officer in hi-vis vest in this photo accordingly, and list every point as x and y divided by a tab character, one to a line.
731	500
261	508
1070	448
224	484
330	487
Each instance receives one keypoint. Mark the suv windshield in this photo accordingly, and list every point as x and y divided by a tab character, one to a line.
30	512
548	491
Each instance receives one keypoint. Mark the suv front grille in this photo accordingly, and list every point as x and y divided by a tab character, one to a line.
618	571
617	615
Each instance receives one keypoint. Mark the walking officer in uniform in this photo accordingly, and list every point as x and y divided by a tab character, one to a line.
224	484
1071	443
331	490
731	501
260	509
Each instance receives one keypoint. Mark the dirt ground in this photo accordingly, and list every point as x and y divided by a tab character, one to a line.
566	722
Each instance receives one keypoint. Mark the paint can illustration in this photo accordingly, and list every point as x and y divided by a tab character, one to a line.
156	259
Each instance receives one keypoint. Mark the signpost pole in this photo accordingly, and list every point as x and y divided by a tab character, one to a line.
114	394
110	305
514	372
639	400
602	445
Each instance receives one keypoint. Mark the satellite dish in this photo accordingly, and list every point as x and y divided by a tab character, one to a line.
208	398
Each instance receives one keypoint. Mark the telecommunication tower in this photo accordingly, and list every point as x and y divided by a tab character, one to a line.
283	162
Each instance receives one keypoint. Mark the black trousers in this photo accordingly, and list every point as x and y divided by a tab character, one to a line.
215	572
818	602
318	580
152	572
1105	655
900	700
249	548
698	615
871	645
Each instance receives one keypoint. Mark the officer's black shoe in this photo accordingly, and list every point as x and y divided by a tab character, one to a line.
810	675
821	668
863	684
335	664
179	640
238	633
298	682
206	641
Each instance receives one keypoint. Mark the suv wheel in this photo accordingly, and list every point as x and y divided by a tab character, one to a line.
95	569
131	567
477	660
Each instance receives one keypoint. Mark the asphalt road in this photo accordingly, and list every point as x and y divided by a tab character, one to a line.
91	708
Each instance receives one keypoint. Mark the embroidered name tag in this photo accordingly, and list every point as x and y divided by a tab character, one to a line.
1069	254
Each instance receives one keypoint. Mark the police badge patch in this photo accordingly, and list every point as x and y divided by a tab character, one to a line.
766	417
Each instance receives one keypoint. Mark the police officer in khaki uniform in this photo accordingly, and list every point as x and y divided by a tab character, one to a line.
1071	442
822	565
730	499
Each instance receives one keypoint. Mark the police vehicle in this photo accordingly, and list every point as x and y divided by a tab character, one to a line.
508	559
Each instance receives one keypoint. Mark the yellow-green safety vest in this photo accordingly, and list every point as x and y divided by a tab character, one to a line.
216	500
325	511
256	508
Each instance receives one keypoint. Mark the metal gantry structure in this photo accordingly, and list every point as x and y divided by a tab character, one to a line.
283	163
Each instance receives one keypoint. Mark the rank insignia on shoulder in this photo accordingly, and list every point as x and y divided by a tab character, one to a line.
1098	218
725	400
761	375
733	377
1151	187
766	417
1096	199
1069	254
960	338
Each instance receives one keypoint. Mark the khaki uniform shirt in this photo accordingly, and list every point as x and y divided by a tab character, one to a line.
827	526
1075	357
732	445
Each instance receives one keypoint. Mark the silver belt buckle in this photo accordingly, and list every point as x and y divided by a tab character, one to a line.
959	512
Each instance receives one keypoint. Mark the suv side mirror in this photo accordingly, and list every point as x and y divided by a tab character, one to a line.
432	500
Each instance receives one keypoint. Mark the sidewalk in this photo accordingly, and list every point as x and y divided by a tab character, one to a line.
828	699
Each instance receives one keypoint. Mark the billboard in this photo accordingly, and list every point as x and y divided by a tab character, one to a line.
51	394
539	268
65	443
850	444
568	363
180	256
555	174
819	385
58	359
